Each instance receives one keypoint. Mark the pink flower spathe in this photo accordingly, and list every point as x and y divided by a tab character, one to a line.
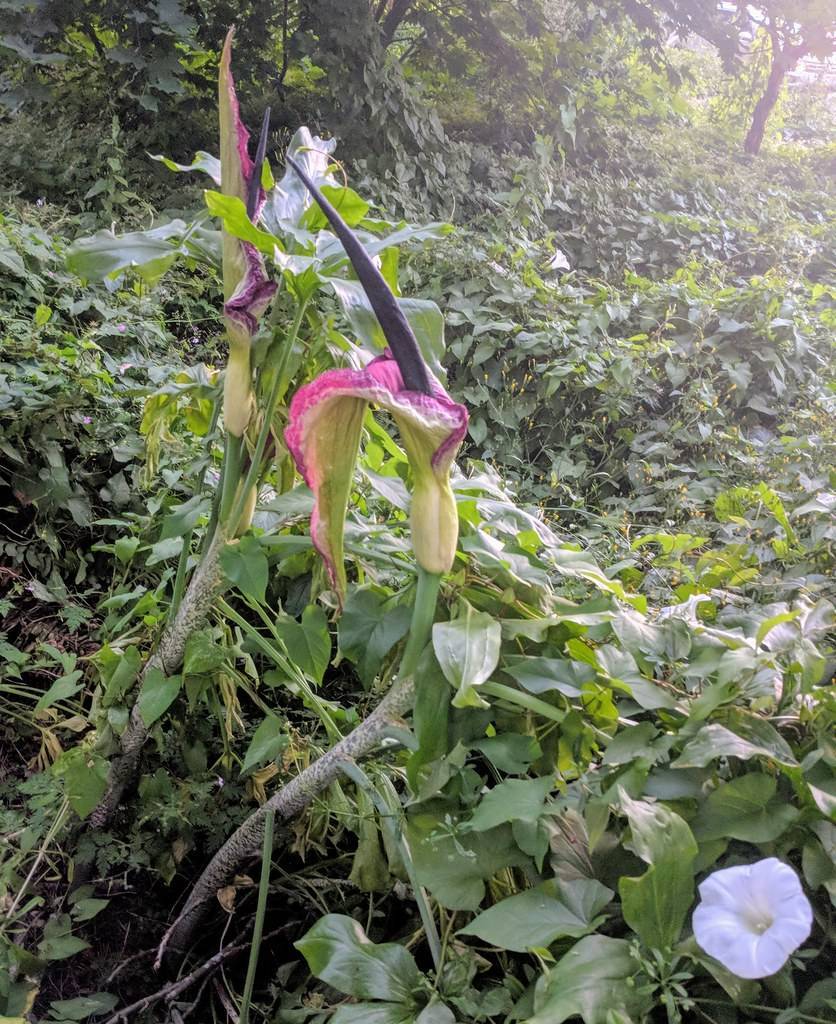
323	436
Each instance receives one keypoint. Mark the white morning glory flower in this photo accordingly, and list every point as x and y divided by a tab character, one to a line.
752	917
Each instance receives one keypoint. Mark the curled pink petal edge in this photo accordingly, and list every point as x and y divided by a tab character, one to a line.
380	383
253	294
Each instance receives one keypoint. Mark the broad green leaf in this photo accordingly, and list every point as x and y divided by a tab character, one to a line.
819	997
374	1013
536	917
157	695
633	744
308	642
12	261
656	903
467	649
184	517
745	809
715	740
202	161
64	686
766	627
202	653
163	550
590	981
435	1013
736	666
148	253
510	752
369	628
268	741
618	666
42	314
454	867
125	548
637	635
245	566
58	942
120	675
340	953
424	316
541	675
87	909
512	800
350	206
83	1007
732	504
233	213
404	232
822	788
85	778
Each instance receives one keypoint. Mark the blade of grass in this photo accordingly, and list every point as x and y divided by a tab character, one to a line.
260	910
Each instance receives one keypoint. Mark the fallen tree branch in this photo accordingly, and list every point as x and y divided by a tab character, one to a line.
287	802
204	586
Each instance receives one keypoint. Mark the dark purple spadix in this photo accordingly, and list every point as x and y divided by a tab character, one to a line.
255	181
399	334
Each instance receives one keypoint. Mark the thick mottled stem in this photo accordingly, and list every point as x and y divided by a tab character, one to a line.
289	801
205	585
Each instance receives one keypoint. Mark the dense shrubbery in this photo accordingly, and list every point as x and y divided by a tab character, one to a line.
627	686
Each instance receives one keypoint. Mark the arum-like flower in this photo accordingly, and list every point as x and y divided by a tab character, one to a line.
325	422
752	917
247	290
323	436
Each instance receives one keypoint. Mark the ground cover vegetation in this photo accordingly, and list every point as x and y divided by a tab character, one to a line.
478	779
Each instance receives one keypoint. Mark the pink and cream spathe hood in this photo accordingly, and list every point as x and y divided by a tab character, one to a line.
323	435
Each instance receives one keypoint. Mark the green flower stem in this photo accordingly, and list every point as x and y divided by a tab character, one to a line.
233	460
260	910
423	614
254	471
525	700
302	789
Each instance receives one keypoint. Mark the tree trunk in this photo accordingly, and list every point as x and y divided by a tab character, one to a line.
391	23
783	60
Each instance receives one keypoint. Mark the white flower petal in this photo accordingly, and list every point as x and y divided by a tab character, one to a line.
771	954
771	880
752	917
723	887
